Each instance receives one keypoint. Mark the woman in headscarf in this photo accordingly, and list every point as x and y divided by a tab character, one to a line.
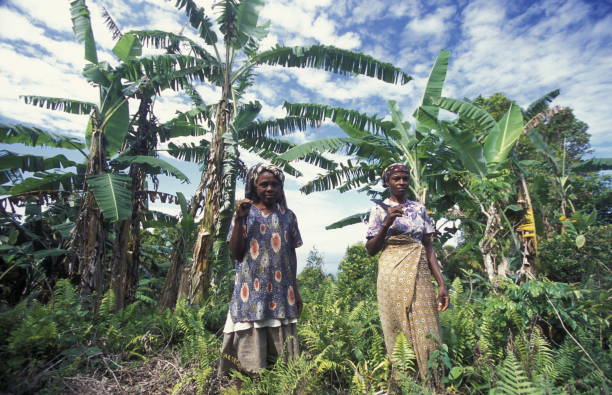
407	303
265	304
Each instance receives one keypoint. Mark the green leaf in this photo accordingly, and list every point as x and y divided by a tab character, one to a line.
580	241
171	42
332	59
540	104
470	151
190	152
514	207
60	104
433	88
499	141
247	16
153	162
34	137
319	113
113	195
182	203
538	142
198	20
50	252
464	143
10	161
406	138
318	146
115	117
128	47
246	115
81	25
350	220
48	182
594	164
467	110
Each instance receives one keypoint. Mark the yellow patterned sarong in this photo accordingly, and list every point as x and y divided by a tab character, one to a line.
406	298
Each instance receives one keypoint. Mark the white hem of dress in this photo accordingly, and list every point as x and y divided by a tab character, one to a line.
231	326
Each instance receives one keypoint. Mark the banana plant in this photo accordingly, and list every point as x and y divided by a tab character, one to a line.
109	195
375	144
234	47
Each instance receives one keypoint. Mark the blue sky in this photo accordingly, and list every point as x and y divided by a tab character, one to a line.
521	48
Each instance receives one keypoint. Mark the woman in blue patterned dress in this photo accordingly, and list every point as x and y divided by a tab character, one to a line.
265	304
407	302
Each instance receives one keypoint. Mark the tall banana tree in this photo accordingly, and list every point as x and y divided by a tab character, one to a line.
109	195
237	53
374	144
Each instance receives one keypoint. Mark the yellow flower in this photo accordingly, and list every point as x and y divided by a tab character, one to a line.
562	218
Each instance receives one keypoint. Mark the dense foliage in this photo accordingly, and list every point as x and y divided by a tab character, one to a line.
537	337
98	291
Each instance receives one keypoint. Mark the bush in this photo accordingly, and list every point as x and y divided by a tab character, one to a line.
561	260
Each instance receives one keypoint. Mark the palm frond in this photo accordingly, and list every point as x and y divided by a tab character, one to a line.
113	195
594	164
110	24
11	162
33	137
277	127
61	104
320	113
281	146
350	220
540	104
468	110
158	219
198	20
48	182
332	144
336	60
170	41
348	174
190	152
151	66
153	162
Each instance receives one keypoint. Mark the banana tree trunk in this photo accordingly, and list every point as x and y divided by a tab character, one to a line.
87	244
495	263
527	235
202	252
126	254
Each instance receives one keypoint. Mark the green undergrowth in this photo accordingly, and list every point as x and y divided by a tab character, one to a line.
540	337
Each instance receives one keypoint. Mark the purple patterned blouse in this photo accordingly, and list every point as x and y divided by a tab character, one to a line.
265	286
415	222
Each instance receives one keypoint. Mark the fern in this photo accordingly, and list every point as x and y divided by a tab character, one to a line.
403	356
513	379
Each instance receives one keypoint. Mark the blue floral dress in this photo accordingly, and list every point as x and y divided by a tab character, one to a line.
265	279
414	222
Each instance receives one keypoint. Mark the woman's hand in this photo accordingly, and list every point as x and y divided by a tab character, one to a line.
442	298
392	213
242	208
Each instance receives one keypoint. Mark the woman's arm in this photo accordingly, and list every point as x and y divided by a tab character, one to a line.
432	260
237	241
376	243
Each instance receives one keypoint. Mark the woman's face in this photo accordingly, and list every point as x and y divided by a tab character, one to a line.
268	188
398	183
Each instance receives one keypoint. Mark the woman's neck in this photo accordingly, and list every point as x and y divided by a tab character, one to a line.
398	199
265	208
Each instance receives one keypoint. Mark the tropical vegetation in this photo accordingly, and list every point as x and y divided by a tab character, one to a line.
101	293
